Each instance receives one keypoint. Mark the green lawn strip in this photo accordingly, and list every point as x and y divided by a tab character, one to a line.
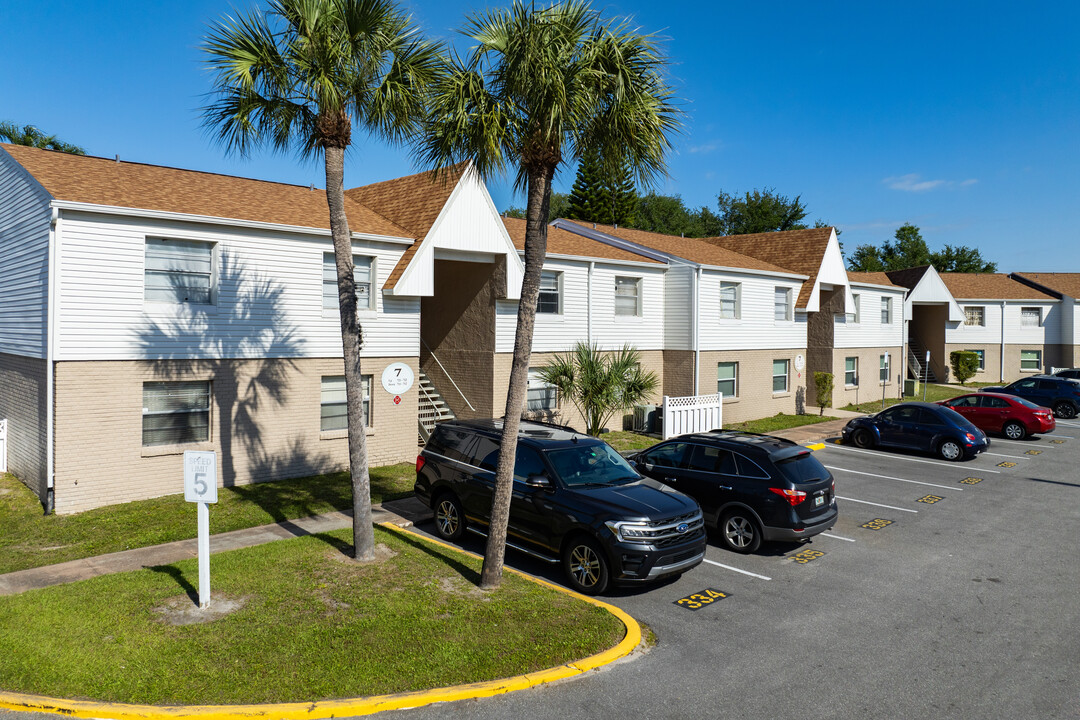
934	393
30	539
314	625
627	440
780	421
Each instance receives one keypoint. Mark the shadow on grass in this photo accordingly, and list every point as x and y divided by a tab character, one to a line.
174	572
444	556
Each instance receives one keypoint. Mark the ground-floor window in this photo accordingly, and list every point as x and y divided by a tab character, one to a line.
780	375
982	357
1031	359
335	409
176	412
727	377
851	371
540	396
883	364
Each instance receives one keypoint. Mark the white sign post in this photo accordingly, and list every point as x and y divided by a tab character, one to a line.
200	486
885	379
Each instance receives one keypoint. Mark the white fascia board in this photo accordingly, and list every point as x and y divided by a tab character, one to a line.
1010	301
891	288
602	260
750	271
213	220
27	175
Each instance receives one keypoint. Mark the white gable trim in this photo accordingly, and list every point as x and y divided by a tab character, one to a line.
832	271
931	289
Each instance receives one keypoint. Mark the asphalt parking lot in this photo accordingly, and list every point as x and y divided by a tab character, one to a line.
945	590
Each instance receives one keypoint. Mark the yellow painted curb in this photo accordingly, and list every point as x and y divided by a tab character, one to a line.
353	706
816	446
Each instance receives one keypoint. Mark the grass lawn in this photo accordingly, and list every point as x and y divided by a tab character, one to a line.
934	393
627	440
30	539
312	625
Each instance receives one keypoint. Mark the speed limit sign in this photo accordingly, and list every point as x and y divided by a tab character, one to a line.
200	476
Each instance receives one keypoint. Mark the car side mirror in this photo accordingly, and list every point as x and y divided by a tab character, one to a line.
633	463
538	481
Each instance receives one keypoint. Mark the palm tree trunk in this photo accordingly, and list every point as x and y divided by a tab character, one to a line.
536	218
351	339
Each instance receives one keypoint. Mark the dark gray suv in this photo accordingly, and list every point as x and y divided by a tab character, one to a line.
575	501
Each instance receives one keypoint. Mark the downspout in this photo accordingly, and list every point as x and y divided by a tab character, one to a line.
903	346
695	295
1001	362
588	304
50	359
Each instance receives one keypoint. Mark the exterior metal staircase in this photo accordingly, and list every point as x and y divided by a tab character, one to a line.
916	360
432	408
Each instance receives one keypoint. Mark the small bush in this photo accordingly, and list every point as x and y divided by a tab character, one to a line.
964	365
823	382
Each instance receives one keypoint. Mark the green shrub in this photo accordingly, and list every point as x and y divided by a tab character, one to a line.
823	382
964	365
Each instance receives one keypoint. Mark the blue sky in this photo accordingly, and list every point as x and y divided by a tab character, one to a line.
960	117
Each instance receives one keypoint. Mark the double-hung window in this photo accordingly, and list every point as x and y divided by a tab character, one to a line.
727	379
176	412
886	311
550	300
851	371
1030	359
179	271
780	375
628	296
539	396
362	272
975	315
883	363
334	404
1030	317
729	300
782	304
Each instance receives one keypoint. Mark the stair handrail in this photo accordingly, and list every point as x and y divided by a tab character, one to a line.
448	376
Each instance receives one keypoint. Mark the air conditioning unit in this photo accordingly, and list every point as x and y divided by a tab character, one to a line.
645	418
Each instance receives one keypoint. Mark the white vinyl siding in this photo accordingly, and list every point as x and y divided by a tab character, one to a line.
1031	360
179	271
539	396
851	371
361	274
550	300
334	410
754	329
727	379
1030	316
1022	322
975	315
729	300
782	304
780	375
24	261
627	296
868	331
175	412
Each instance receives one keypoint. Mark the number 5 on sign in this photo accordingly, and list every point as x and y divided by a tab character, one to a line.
200	486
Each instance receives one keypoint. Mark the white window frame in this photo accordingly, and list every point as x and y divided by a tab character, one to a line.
854	372
733	302
886	311
1037	359
787	309
786	375
332	395
733	380
978	311
540	396
177	389
884	368
362	265
627	281
1027	311
548	276
854	317
982	357
167	257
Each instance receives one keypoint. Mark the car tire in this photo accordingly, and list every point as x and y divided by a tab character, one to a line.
449	517
950	450
740	532
586	566
1014	431
863	438
1065	411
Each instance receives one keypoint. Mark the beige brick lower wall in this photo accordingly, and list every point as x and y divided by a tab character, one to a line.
1052	356
868	375
264	425
23	405
567	414
754	396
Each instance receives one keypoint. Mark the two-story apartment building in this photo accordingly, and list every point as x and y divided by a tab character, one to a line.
1066	288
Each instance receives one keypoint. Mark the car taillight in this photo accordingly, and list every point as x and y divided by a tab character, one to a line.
794	497
970	437
420	462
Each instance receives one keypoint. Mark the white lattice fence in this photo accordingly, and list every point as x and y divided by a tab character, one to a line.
695	413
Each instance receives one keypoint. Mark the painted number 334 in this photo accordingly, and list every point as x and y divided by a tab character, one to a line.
701	599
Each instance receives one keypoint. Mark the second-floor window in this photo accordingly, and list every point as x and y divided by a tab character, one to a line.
179	272
1030	317
362	266
550	300
627	296
782	303
729	300
974	315
886	311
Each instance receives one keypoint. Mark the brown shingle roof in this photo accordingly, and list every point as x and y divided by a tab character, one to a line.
101	181
564	242
413	201
693	249
872	278
908	277
986	286
801	251
1066	283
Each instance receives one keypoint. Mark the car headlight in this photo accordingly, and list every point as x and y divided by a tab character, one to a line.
630	531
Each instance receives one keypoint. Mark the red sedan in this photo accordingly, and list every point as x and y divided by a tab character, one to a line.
1012	416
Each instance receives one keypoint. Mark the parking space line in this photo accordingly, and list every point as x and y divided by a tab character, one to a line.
837	537
1029	443
867	502
887	477
898	457
1021	457
735	569
1068	424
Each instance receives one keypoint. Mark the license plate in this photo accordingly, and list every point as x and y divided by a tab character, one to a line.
819	500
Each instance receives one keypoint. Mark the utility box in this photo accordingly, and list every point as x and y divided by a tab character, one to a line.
911	388
645	418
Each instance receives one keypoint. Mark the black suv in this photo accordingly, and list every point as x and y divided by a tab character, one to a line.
1062	395
575	500
751	487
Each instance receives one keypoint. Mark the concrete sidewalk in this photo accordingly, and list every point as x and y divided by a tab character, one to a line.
807	434
402	513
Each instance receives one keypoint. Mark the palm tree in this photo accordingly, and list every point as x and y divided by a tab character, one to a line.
297	78
599	384
542	86
31	136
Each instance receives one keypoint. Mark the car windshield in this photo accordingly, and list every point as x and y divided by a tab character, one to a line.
803	468
591	465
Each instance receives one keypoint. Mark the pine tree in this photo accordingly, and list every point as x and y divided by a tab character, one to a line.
601	196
